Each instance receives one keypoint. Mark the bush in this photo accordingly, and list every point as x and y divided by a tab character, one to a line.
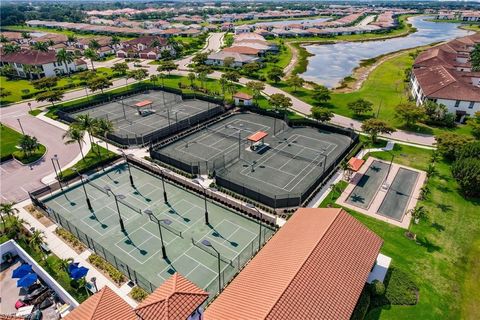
400	290
362	305
70	239
138	294
108	268
467	173
377	288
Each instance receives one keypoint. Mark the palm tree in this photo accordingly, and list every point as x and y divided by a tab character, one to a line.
75	135
36	241
40	46
90	54
26	35
115	40
29	144
94	44
104	127
71	38
64	263
87	123
8	208
3	39
17	225
65	57
10	48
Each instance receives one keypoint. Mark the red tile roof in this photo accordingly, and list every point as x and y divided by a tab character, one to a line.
315	267
355	164
243	50
243	96
257	136
176	299
103	305
30	57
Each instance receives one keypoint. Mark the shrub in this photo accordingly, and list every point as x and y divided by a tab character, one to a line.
362	305
70	239
108	268
378	288
138	294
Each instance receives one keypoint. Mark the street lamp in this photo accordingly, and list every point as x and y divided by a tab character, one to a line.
165	199
56	173
94	281
121	197
205	200
84	189
29	106
23	132
324	159
207	243
159	223
249	205
128	166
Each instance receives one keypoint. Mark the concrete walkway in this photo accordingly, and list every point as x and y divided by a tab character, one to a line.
64	251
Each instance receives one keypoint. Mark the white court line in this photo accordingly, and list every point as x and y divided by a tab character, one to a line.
128	253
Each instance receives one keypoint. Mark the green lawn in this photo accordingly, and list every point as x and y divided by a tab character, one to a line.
16	87
9	139
444	261
92	160
37	154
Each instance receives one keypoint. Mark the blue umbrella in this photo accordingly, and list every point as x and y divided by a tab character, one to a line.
72	266
27	280
79	273
22	271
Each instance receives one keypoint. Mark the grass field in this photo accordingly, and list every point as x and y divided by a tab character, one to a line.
9	139
444	261
17	86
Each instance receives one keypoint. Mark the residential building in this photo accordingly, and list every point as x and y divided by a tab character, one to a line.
148	47
45	63
218	58
314	267
443	74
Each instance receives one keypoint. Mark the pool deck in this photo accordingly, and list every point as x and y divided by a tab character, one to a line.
382	192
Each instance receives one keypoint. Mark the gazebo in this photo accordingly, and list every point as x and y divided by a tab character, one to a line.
257	140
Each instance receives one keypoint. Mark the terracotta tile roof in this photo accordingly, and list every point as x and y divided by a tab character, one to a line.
315	267
30	57
176	299
355	163
257	136
10	317
242	95
103	305
243	50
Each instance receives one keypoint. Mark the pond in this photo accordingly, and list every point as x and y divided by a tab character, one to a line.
333	62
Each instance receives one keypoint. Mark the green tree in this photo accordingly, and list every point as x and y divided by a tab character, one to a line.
92	55
374	127
295	81
4	93
167	66
280	101
98	83
37	239
449	143
191	77
200	58
466	168
321	114
87	123
28	144
17	226
71	38
275	74
256	87
45	83
50	96
64	57
94	44
120	68
232	76
104	128
251	68
320	94
139	74
40	46
409	113
8	208
360	106
75	135
474	124
115	40
10	48
475	57
228	62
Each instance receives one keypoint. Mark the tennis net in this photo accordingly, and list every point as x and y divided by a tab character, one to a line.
202	247
173	230
93	184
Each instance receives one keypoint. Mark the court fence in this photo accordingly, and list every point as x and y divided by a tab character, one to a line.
143	139
226	275
220	165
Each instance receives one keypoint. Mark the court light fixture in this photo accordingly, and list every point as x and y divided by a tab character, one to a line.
82	177
151	216
252	206
207	243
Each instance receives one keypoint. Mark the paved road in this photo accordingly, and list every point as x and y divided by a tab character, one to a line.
214	42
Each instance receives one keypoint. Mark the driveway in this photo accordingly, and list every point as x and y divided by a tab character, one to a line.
214	42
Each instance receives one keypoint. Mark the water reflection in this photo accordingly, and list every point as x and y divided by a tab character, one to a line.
333	62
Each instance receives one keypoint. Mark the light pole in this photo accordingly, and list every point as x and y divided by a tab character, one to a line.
84	189
117	196
55	157
389	168
159	223
128	166
324	159
94	281
207	243
249	205
29	106
21	128
165	199
205	200
56	174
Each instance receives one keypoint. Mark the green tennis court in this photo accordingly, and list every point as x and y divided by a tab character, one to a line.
398	195
138	247
368	185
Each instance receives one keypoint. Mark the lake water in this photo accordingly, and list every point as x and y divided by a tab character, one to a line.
333	62
287	22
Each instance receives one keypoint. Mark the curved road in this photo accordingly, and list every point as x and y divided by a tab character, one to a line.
14	175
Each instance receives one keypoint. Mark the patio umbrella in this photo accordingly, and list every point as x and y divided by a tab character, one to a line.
79	273
27	280
72	266
22	271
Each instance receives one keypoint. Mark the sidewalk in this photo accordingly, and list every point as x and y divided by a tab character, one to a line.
63	251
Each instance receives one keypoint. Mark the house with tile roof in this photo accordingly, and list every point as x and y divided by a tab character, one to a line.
314	267
443	74
218	58
148	47
46	63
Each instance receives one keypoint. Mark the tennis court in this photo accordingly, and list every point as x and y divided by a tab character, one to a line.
142	114
182	222
287	162
398	195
